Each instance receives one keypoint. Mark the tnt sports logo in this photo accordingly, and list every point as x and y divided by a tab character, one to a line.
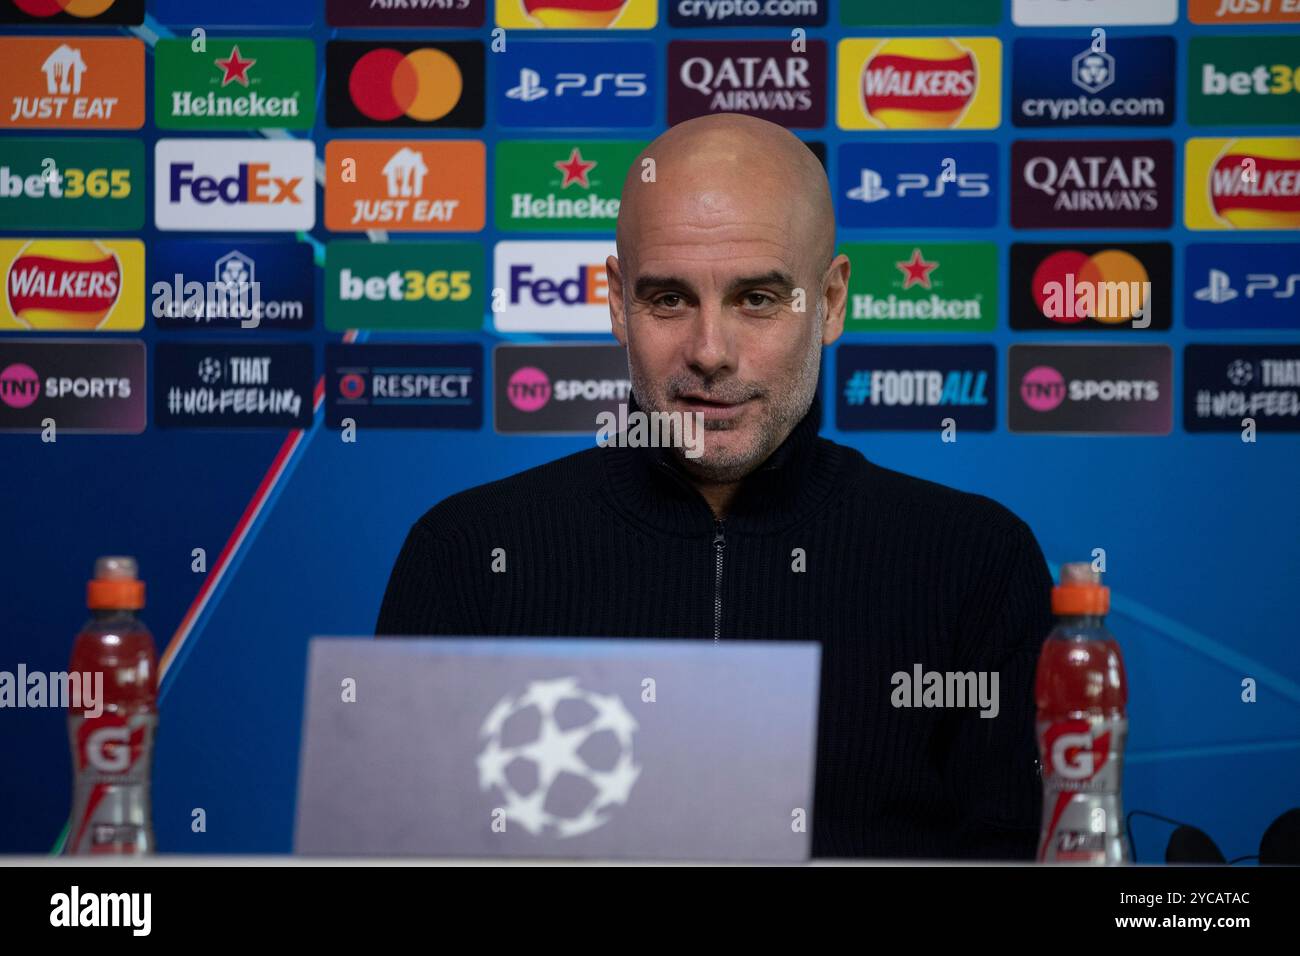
1111	286
234	184
529	389
577	14
920	83
19	385
1043	389
560	756
1243	184
424	84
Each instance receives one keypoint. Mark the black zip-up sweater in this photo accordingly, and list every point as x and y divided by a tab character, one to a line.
616	542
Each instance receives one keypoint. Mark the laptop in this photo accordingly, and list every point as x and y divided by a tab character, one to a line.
558	748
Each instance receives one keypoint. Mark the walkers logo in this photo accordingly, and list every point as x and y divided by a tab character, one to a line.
234	185
1090	389
1224	384
872	13
1243	81
1243	11
72	184
762	78
749	13
1081	13
557	389
235	84
576	84
920	83
404	386
559	185
405	286
405	13
1092	184
405	185
577	14
79	12
233	386
1243	286
430	85
1120	81
553	286
1242	184
91	285
1091	286
72	83
917	185
85	386
916	387
219	284
922	287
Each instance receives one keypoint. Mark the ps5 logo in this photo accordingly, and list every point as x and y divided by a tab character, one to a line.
530	88
1219	289
871	186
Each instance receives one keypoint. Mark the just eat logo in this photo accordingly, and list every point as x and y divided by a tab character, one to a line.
234	185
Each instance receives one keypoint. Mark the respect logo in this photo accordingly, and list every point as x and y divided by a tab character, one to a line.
235	84
577	14
1244	81
406	185
404	84
72	184
85	12
920	83
73	83
1242	183
66	284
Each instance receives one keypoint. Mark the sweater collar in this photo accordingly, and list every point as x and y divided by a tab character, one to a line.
651	488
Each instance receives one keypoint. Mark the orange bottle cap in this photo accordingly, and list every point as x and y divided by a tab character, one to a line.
115	585
1080	592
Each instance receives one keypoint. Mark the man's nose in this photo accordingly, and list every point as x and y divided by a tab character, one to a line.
711	344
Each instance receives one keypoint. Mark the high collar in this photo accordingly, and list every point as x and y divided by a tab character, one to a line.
652	489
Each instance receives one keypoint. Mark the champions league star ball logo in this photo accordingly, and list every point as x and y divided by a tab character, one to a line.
560	756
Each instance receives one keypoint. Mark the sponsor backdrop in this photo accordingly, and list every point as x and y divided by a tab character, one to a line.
1075	235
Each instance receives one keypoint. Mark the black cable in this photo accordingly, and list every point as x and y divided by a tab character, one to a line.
1128	826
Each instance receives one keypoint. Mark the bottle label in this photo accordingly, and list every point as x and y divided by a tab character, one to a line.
111	798
1082	768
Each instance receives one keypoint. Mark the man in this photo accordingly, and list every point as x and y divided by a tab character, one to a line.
724	290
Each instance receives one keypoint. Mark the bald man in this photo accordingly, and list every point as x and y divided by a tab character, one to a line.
724	290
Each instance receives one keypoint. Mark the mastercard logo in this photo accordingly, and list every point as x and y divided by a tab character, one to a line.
919	83
424	84
574	14
1111	286
63	284
76	8
1255	184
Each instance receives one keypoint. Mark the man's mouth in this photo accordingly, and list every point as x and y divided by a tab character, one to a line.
712	409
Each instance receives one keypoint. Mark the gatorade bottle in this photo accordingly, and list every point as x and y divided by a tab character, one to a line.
112	750
1082	724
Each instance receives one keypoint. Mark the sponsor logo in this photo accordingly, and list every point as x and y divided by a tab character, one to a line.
84	385
1090	389
72	184
1091	286
576	84
915	387
920	83
917	185
1242	184
1084	184
553	286
404	386
406	13
577	14
557	389
234	184
72	83
762	78
1080	13
1223	384
1243	286
1243	11
405	185
1243	81
404	84
235	84
83	12
416	286
558	185
748	13
1120	81
83	284
247	12
922	287
873	13
233	386
217	284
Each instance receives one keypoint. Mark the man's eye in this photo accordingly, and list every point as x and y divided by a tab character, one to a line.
759	300
669	300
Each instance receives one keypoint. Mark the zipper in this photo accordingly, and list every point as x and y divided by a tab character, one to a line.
719	542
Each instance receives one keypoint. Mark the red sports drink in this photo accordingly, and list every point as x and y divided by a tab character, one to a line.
1082	724
112	752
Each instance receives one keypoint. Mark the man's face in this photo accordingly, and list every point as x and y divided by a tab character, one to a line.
725	316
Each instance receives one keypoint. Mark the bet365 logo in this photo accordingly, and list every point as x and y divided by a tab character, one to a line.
58	184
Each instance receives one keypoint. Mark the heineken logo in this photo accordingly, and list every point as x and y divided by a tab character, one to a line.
557	186
235	84
939	287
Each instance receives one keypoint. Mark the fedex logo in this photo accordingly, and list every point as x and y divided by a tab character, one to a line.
587	286
553	286
234	185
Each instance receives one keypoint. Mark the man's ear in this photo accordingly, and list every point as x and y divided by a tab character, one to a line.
614	287
835	288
